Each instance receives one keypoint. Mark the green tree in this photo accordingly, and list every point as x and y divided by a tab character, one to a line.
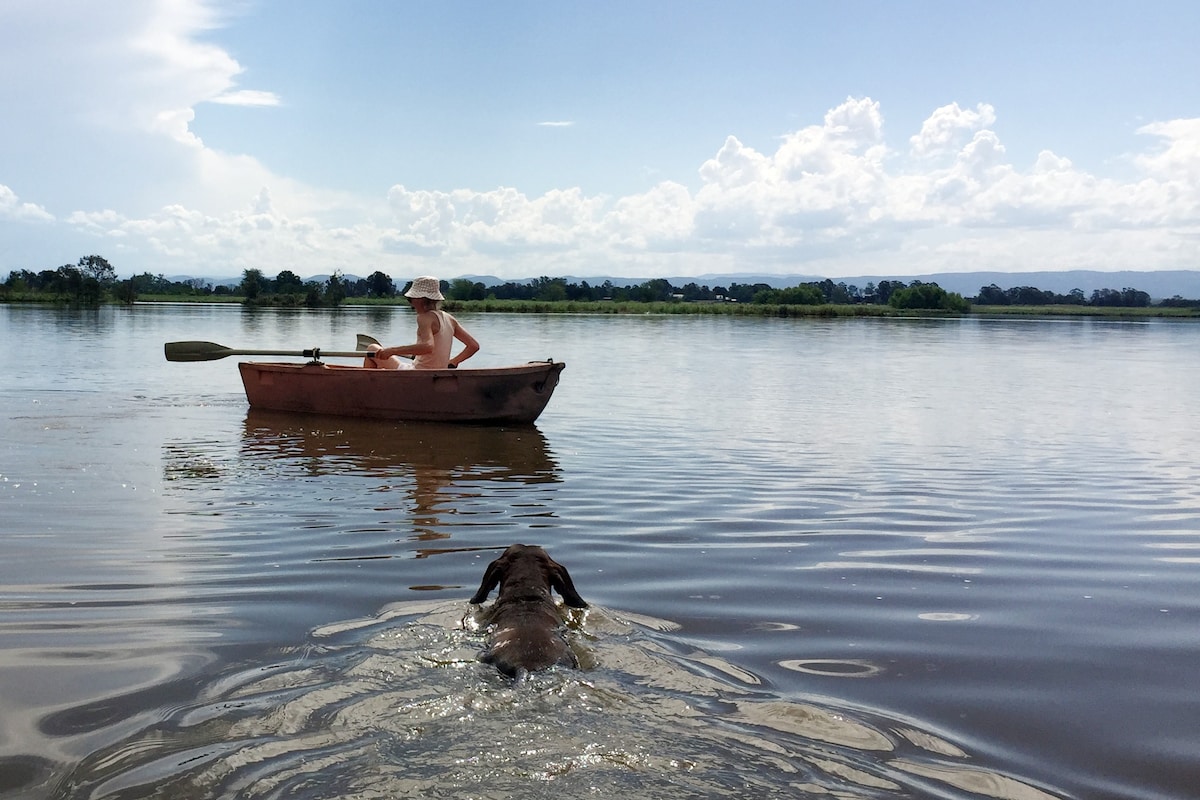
551	289
744	292
466	289
883	292
312	294
928	296
1134	298
252	284
806	294
380	285
98	268
335	289
127	291
78	287
656	290
991	295
288	282
19	282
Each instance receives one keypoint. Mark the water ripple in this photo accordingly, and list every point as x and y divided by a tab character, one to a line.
397	706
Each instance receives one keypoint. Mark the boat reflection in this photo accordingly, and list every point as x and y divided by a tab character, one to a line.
436	466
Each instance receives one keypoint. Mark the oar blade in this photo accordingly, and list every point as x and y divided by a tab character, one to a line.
195	351
211	351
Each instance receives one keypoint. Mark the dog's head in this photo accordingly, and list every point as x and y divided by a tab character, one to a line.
527	572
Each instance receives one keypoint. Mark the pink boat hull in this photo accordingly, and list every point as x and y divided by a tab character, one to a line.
500	395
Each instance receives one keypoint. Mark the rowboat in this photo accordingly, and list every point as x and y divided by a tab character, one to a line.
514	395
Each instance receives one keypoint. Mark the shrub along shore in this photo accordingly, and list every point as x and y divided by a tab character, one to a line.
823	310
827	310
93	282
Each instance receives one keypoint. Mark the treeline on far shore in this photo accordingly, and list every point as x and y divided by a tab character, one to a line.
93	281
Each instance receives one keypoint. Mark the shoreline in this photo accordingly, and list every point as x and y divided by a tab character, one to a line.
661	308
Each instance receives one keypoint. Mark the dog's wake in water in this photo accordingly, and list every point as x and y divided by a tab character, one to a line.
399	706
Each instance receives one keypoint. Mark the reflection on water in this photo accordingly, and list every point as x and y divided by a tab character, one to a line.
425	460
397	706
427	479
950	558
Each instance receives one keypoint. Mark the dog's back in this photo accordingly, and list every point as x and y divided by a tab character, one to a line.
525	620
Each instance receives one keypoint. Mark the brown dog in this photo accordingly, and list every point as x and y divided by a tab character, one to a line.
526	623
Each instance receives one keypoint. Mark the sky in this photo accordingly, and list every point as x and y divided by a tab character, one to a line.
627	138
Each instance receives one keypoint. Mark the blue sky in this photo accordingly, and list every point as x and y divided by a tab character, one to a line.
198	137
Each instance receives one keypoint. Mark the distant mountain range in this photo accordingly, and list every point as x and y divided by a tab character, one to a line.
1159	285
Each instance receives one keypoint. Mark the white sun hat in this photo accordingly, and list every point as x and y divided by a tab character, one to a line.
425	286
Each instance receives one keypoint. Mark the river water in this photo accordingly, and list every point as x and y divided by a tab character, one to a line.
866	558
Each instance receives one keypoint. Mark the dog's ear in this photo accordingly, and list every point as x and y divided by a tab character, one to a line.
491	577
560	580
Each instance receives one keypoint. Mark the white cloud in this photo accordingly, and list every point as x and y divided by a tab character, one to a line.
662	219
11	208
947	127
830	196
247	97
116	87
503	220
176	124
821	179
833	197
1178	160
734	165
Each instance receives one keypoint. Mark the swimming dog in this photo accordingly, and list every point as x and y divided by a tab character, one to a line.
526	623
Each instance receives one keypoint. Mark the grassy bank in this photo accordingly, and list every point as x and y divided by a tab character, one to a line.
1113	312
725	309
706	308
598	307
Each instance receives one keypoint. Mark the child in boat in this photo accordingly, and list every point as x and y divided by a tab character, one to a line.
436	332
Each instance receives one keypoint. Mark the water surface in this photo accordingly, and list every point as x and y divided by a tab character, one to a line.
893	558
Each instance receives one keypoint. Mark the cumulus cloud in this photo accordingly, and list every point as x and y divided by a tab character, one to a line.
836	191
829	195
734	165
176	124
947	128
503	220
821	177
841	195
1178	159
11	208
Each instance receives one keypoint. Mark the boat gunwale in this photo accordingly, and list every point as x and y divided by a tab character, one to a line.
510	369
540	377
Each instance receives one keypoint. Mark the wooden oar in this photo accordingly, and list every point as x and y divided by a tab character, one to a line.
364	341
209	351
